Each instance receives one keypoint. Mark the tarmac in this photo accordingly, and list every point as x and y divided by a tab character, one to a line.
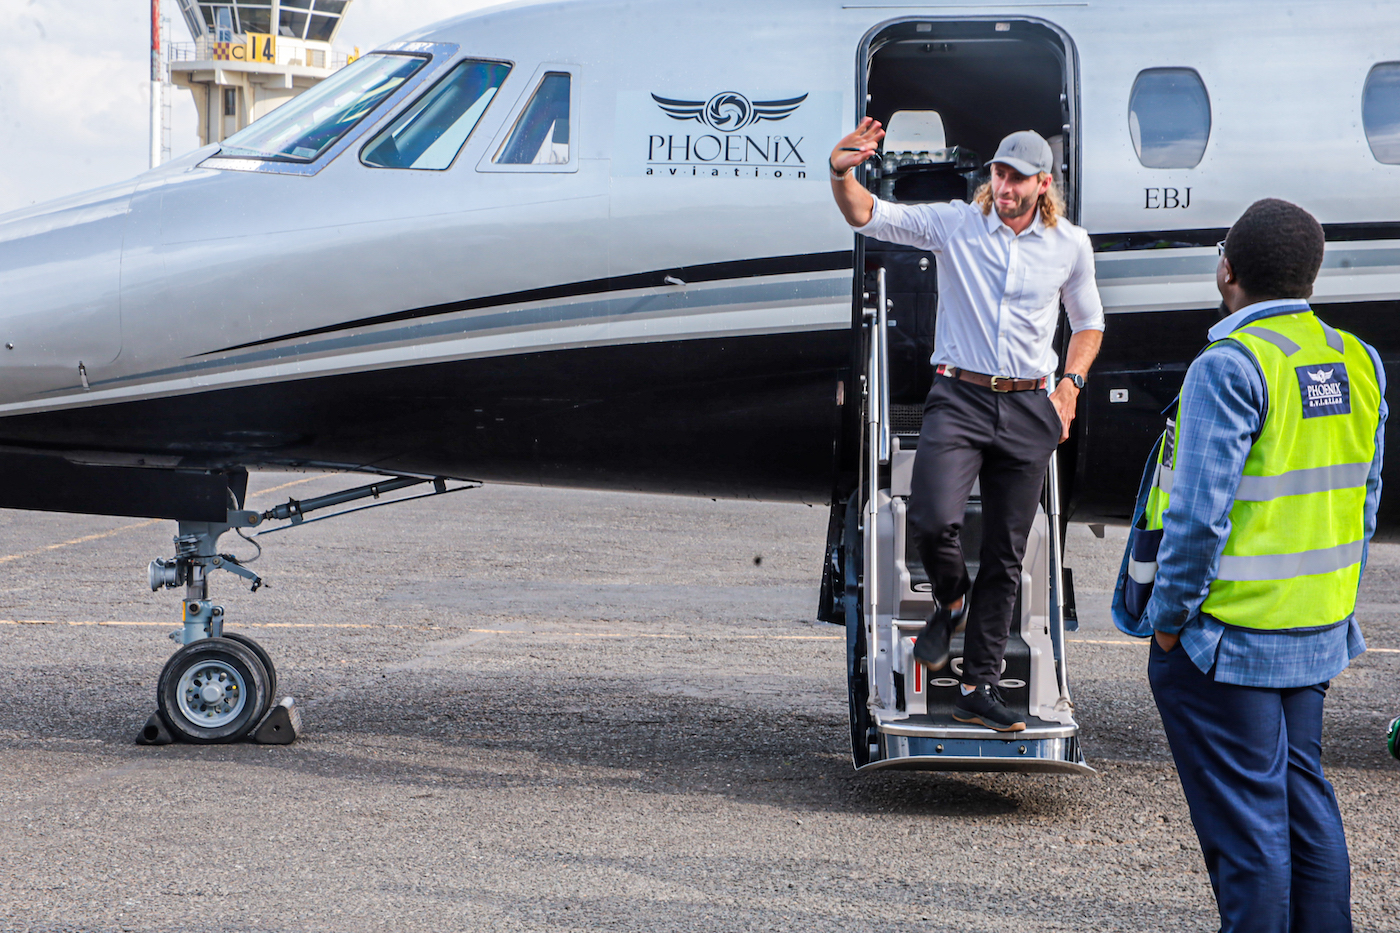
532	709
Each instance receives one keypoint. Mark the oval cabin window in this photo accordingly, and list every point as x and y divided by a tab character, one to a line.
1169	117
1380	112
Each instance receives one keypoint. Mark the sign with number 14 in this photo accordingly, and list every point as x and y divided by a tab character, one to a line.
262	48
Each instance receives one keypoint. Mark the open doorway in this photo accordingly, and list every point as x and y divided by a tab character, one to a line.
947	92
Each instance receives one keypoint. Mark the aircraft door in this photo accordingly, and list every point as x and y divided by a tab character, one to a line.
60	273
947	93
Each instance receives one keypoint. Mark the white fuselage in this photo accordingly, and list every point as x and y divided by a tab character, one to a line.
212	274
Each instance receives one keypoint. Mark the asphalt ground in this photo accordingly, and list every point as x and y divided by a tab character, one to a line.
537	709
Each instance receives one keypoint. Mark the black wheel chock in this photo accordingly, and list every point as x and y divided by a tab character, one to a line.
155	731
281	726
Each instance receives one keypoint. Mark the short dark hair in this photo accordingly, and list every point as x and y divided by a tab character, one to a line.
1275	249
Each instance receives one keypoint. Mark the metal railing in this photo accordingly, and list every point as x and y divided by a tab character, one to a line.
1057	580
877	407
882	338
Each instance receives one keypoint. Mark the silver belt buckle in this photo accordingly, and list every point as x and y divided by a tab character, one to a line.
1004	379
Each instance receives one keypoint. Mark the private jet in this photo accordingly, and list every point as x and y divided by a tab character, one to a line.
592	244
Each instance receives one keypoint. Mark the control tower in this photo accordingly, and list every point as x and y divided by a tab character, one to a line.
251	56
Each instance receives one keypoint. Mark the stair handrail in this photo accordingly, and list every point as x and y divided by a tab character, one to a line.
1057	580
882	344
874	419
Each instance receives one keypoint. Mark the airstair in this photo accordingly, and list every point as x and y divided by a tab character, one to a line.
900	711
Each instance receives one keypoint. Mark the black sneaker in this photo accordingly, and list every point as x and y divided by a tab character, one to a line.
931	647
984	706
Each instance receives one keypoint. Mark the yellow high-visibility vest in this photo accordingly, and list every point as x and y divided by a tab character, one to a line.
1297	526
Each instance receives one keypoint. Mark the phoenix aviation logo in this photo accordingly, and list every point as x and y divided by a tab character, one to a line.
1325	390
728	111
729	141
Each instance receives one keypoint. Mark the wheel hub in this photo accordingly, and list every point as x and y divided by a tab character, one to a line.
211	693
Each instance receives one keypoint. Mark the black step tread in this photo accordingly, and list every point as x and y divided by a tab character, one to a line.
944	720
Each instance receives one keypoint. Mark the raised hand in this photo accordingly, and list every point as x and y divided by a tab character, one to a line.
857	146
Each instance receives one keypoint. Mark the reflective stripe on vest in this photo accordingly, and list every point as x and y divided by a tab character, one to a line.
1164	479
1301	482
1293	557
1283	566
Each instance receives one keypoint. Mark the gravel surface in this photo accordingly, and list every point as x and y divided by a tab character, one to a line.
535	709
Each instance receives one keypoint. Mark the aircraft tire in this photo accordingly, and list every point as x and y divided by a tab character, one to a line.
211	691
267	664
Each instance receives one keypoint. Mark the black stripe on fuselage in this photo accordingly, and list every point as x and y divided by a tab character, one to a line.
709	272
1209	236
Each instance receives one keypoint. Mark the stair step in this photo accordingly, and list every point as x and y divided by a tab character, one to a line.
946	727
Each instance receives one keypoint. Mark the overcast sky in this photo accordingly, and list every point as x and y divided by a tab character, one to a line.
75	86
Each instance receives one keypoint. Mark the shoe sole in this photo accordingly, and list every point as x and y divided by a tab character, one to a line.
974	719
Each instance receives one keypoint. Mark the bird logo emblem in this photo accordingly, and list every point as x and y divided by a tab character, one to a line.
1322	375
728	111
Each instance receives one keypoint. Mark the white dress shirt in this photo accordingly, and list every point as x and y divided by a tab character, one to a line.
999	293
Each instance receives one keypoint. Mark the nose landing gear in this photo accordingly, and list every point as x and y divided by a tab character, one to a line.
220	686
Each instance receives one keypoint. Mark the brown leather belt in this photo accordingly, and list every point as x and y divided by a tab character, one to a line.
995	383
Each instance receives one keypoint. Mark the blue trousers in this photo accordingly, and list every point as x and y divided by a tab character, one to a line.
1250	762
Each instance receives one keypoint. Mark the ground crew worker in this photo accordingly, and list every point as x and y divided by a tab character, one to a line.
1259	505
1001	277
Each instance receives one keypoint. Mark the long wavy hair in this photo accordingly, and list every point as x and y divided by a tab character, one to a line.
1051	206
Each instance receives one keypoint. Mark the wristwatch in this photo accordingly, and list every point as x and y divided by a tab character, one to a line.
1075	378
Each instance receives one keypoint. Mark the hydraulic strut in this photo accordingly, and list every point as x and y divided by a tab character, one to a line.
197	555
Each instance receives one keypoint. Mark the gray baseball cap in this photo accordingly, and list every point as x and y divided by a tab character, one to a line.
1025	151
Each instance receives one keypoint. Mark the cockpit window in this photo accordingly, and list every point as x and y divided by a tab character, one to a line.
429	134
1169	117
541	135
303	128
1380	112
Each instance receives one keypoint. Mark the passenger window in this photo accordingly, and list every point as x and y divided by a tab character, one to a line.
1380	112
541	134
429	134
1169	117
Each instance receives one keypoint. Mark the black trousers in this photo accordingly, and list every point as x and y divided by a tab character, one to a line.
1005	439
1250	763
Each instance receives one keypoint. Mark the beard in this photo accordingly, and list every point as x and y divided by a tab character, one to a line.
1019	208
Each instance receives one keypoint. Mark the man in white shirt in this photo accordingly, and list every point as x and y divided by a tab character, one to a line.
1001	277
